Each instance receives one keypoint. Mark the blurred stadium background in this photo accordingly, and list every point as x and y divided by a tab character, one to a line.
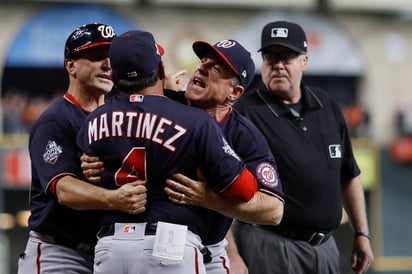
360	51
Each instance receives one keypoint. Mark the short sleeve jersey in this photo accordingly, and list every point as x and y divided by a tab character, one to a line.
313	153
152	137
53	154
254	150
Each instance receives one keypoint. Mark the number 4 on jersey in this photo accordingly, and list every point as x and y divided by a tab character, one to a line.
133	168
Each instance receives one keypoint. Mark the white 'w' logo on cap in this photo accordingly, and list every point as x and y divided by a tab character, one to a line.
225	44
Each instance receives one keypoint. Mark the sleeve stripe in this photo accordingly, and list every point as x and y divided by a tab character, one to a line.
243	188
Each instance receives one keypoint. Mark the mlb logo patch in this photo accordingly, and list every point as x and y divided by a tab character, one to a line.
129	229
136	98
52	152
335	151
279	33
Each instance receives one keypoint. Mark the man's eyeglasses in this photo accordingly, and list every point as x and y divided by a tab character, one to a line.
284	57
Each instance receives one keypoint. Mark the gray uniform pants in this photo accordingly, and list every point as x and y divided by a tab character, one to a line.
219	263
266	252
43	256
124	254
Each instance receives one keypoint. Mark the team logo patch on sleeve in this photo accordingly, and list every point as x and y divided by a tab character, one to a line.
267	175
52	152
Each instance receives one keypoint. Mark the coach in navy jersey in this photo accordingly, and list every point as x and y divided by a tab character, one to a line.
215	93
62	238
154	137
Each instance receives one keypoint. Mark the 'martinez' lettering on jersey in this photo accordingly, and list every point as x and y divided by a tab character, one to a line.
135	125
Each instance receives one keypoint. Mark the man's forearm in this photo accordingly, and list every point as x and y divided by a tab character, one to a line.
261	209
354	203
74	193
80	195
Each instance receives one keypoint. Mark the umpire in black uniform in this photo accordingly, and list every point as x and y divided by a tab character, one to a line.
307	134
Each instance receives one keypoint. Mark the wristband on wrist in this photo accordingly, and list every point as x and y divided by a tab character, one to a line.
362	234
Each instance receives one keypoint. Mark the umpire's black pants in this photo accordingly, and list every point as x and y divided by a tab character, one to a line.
266	252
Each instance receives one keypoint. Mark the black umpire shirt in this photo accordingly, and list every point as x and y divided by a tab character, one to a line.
313	152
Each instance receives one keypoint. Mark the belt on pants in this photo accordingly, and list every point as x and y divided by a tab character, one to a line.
311	237
150	229
108	230
72	243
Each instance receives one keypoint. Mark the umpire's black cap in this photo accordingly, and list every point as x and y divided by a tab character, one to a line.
88	36
286	34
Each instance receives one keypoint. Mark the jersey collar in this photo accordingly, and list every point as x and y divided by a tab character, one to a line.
309	100
73	100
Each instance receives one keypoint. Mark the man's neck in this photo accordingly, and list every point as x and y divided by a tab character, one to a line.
156	89
220	112
89	101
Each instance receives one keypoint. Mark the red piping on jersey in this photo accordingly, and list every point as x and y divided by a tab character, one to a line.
274	194
51	187
38	258
196	260
243	188
53	184
73	100
224	265
226	116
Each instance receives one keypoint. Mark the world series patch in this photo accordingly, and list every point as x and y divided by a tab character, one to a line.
52	152
229	150
267	175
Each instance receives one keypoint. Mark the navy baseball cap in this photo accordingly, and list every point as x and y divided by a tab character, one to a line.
235	56
286	34
134	54
88	36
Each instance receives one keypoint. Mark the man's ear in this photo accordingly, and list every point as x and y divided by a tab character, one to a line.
305	61
237	91
70	66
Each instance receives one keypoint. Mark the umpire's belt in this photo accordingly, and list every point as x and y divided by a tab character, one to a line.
312	237
108	230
